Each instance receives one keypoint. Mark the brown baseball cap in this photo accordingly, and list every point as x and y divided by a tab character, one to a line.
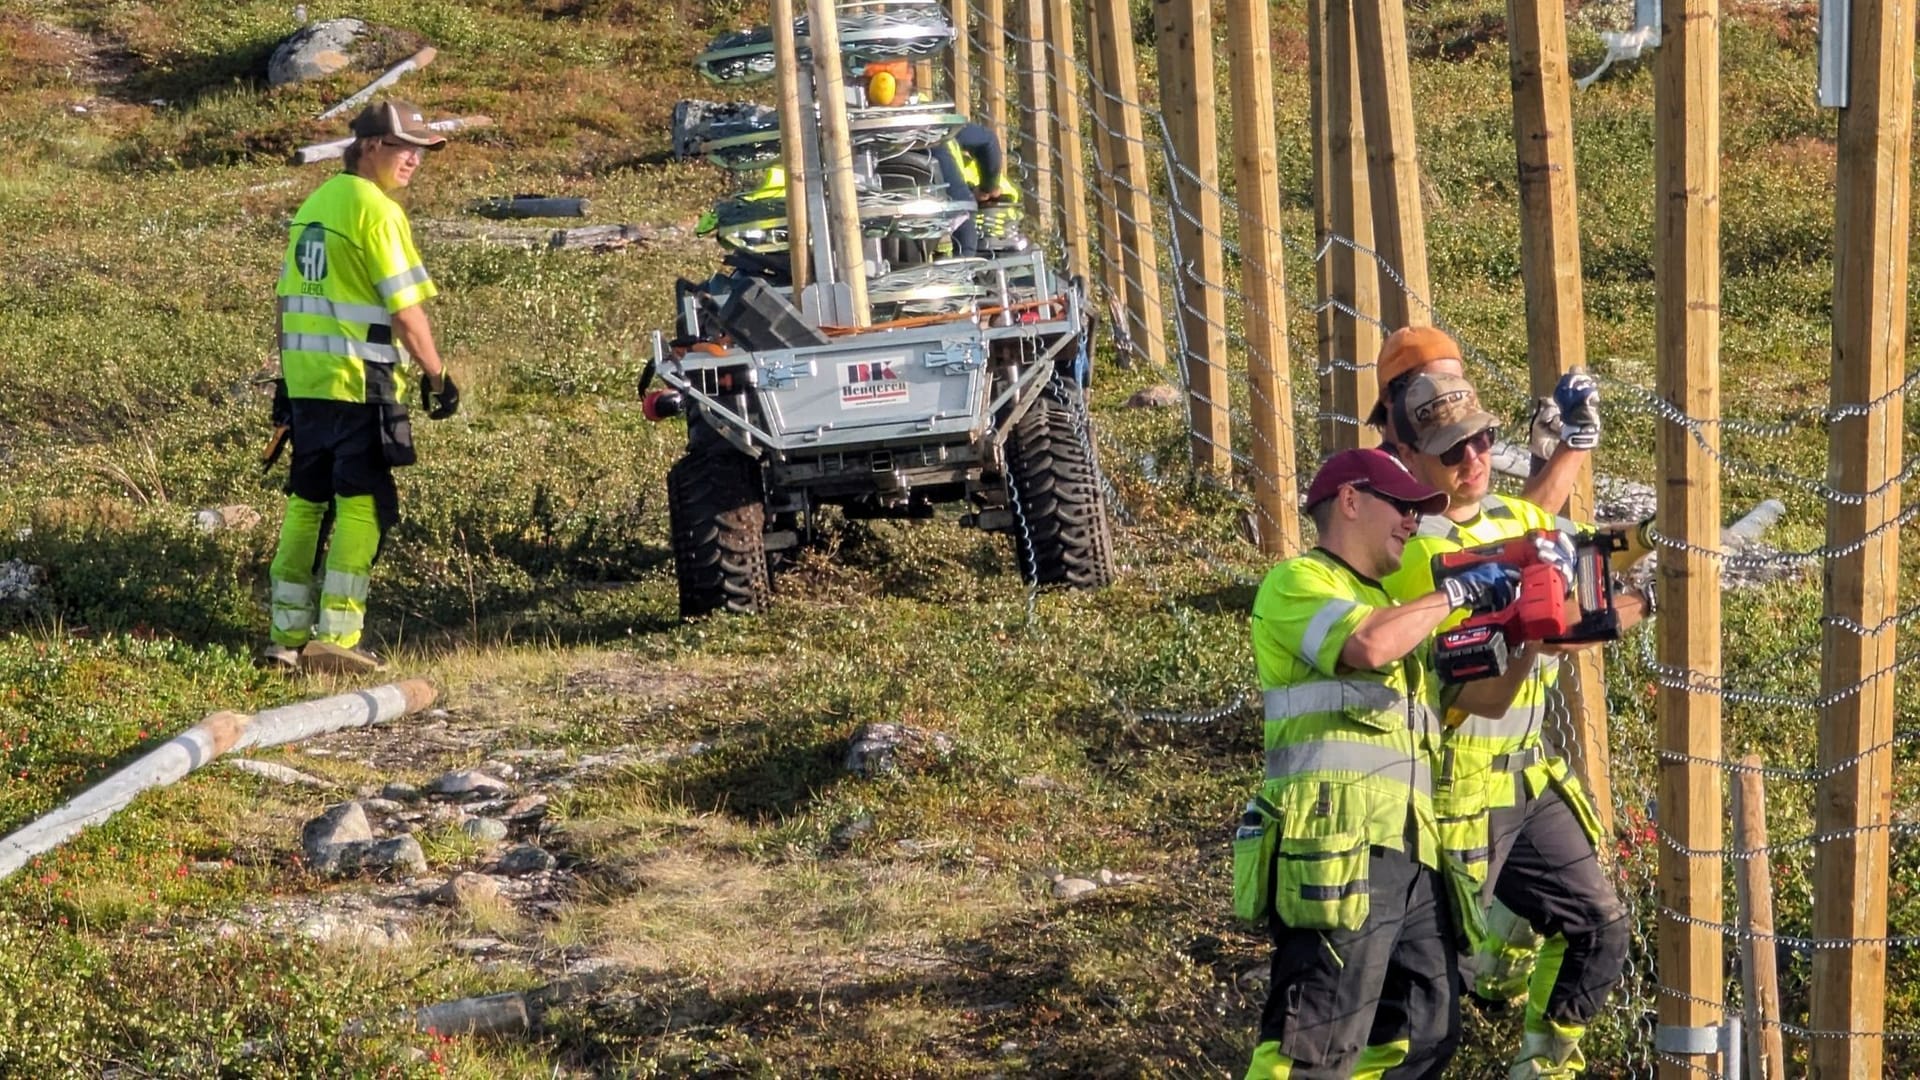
400	119
1438	411
1408	349
1375	470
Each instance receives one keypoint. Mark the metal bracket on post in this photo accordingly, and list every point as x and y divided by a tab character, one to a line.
1717	1040
1836	25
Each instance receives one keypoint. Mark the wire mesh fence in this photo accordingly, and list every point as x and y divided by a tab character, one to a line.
1778	680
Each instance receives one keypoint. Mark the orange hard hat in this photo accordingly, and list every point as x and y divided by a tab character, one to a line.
1409	349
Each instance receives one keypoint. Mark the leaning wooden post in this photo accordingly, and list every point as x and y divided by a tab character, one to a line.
1686	156
1858	654
836	152
1036	122
1556	321
1107	151
993	63
1184	38
959	60
793	154
1111	26
1263	277
1380	27
1349	388
1753	892
1066	115
218	734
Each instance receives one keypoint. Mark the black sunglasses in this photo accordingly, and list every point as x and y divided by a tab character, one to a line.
1456	453
1404	508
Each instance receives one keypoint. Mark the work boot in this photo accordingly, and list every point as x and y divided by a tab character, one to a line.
1553	1052
327	658
277	657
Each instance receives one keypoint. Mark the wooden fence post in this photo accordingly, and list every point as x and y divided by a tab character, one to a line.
1110	26
993	64
1687	345
1753	892
1066	115
1184	40
1036	125
793	153
1263	278
1858	643
836	151
1380	27
1556	320
960	60
1350	389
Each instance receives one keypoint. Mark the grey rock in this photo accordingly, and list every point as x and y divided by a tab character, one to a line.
1155	397
400	792
1104	877
486	830
19	580
474	945
879	749
400	855
853	830
382	806
466	889
528	808
206	869
337	928
468	784
315	51
1073	888
499	769
342	824
522	859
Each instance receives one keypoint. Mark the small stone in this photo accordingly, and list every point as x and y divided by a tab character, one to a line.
467	889
401	854
1104	877
1037	783
474	945
277	772
343	824
499	769
1073	888
468	784
206	868
523	859
485	830
527	808
400	792
338	929
853	830
1155	397
382	806
880	749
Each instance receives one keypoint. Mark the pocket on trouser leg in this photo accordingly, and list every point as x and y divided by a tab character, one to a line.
1575	795
396	436
1321	882
1469	919
1253	853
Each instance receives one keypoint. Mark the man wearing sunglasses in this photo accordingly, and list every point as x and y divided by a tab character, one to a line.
352	325
1340	853
1514	811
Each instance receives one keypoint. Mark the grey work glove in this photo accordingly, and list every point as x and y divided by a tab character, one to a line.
1545	431
1579	399
1487	587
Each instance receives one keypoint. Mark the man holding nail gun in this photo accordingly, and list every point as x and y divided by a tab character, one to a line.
1517	810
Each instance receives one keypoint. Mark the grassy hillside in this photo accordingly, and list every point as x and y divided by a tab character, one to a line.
752	907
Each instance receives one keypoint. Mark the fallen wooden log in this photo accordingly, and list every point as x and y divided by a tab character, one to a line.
412	63
526	206
200	744
327	151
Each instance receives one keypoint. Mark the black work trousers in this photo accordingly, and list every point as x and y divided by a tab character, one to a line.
1545	870
1396	979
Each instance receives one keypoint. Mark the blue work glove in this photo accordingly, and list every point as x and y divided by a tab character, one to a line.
1579	399
1487	587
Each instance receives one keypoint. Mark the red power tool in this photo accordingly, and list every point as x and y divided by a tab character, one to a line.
1543	608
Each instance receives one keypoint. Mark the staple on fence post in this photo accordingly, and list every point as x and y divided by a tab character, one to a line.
1753	892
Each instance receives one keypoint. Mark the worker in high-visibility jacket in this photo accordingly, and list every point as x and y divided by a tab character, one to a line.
1515	814
352	330
1340	852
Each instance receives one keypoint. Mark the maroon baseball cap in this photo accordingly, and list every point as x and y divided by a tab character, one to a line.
1378	471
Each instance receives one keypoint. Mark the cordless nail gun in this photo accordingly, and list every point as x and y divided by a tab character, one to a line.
1543	607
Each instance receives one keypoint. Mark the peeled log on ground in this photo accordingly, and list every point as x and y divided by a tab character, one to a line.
193	748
